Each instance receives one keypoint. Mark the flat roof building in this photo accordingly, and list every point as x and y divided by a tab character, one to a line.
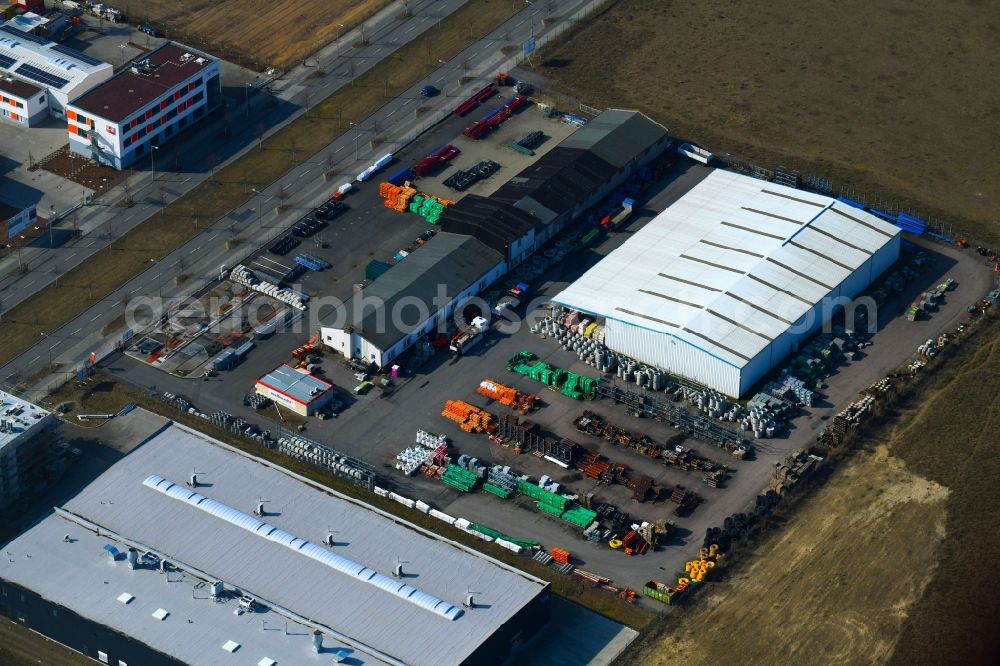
23	449
322	570
725	283
412	298
15	219
144	105
537	203
21	102
296	389
64	72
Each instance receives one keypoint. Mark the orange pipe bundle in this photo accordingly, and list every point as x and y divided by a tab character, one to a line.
506	395
559	555
469	417
384	189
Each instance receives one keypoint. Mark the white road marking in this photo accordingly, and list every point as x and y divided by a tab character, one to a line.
212	237
29	284
77	331
338	150
32	361
388	115
307	171
410	29
96	317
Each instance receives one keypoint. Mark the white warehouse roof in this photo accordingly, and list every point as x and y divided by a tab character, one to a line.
347	591
64	71
732	265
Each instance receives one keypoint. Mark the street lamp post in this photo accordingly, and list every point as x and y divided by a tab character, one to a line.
152	165
48	347
336	46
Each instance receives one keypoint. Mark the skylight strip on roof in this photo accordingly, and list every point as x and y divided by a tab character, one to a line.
840	240
690	282
752	230
861	222
821	255
312	551
738	324
715	343
775	216
777	288
734	249
788	196
670	298
799	273
642	316
712	264
757	307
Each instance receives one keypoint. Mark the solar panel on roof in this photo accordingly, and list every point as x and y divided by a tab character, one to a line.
43	77
26	36
6	61
76	55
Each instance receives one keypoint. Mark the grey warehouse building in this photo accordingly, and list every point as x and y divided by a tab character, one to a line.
410	299
587	166
248	563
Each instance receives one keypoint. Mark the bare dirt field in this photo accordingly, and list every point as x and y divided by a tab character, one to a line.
889	98
880	563
274	32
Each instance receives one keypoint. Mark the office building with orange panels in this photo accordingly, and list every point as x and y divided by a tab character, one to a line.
21	102
144	106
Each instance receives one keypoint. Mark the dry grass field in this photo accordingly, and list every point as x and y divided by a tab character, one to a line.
274	32
888	560
895	98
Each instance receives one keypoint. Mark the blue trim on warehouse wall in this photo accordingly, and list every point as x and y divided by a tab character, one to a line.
653	330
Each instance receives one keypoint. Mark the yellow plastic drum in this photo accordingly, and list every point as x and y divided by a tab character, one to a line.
710	564
683	581
616	543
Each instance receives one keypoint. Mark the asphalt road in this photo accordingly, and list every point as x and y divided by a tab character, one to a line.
181	165
257	220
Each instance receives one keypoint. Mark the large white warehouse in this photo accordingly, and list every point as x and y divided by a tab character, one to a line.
728	281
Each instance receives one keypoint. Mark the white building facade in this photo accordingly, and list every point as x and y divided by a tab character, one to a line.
63	72
22	103
119	122
732	278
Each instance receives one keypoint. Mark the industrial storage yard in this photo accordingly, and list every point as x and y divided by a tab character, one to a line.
509	377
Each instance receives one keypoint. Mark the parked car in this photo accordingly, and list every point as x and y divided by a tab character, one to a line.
429	91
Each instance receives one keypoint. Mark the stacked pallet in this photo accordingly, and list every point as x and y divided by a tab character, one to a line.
459	478
506	395
559	555
397	197
469	417
580	516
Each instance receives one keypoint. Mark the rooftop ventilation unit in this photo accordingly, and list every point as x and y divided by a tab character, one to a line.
144	67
